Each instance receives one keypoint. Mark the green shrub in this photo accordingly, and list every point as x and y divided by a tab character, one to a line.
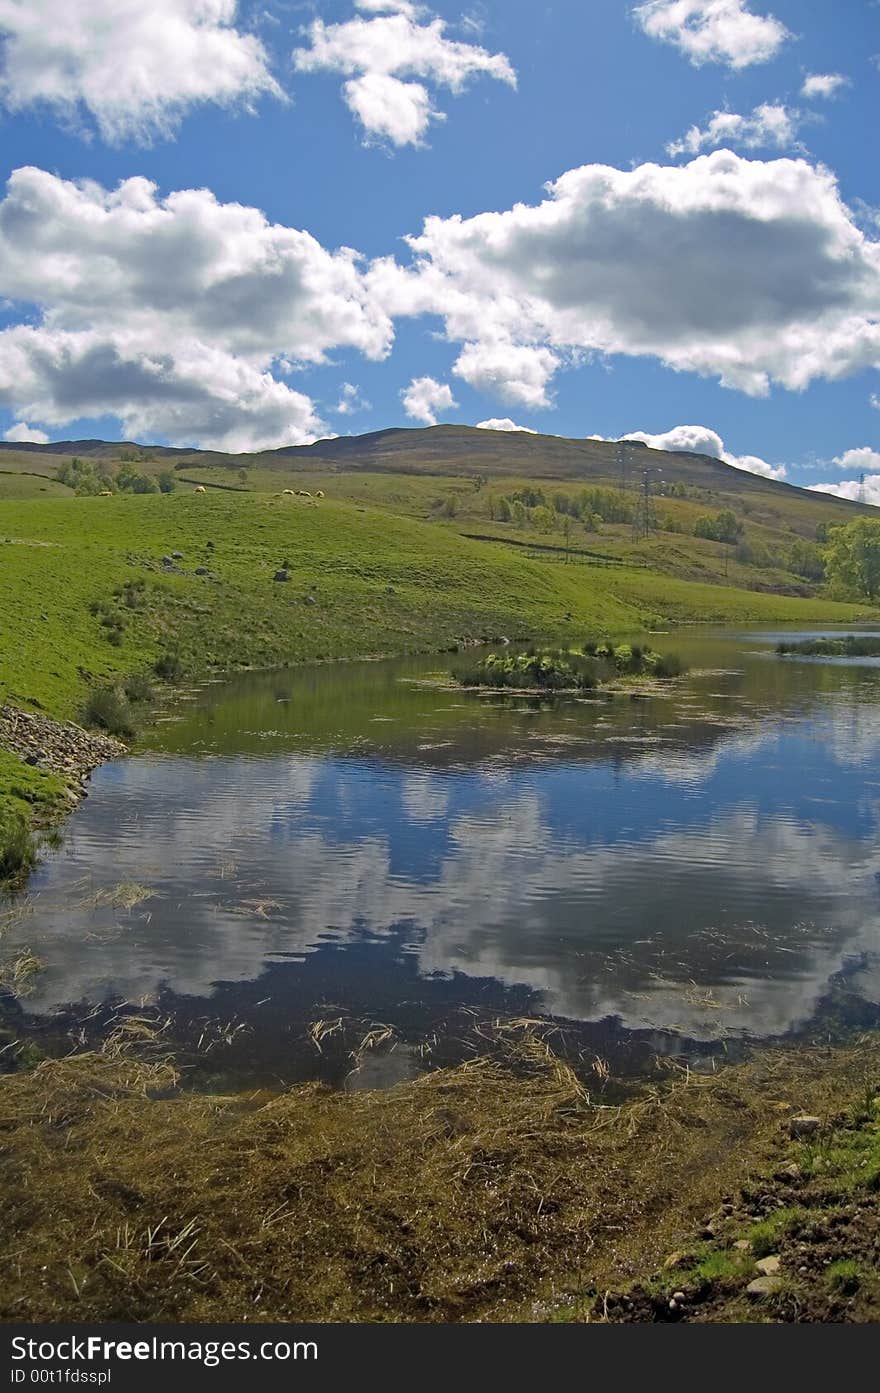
137	688
169	667
107	709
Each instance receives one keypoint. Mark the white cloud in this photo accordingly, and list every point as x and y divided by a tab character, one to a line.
513	372
701	440
750	271
390	109
852	489
862	458
25	434
504	423
424	397
824	85
875	401
350	400
135	68
175	315
387	62
713	31
398	7
770	125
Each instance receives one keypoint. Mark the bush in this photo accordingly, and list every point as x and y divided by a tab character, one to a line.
669	665
169	667
137	688
107	709
18	849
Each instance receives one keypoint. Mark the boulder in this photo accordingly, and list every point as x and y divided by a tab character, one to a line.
763	1286
282	574
804	1125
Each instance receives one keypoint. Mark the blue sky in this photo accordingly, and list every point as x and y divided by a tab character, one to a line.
733	285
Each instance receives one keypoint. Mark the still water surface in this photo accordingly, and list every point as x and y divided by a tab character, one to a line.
350	843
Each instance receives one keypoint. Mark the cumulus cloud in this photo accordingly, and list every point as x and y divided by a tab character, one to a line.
750	271
387	62
135	68
771	125
713	31
504	423
863	458
424	397
701	440
852	489
23	433
823	85
179	316
514	372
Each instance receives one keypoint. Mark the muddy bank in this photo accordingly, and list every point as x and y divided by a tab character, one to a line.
61	748
497	1191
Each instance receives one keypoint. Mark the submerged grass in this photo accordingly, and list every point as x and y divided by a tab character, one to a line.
485	1192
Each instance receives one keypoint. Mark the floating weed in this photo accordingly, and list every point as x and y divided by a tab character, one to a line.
126	895
16	974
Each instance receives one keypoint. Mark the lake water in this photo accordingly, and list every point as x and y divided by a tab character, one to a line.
348	846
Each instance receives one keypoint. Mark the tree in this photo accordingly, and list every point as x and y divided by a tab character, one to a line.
806	560
503	512
167	481
852	561
722	527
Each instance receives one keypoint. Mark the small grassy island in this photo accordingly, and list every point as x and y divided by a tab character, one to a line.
847	646
568	670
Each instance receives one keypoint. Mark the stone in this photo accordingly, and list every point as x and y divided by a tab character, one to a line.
804	1126
177	556
309	600
742	1245
282	574
763	1286
768	1266
201	570
680	1297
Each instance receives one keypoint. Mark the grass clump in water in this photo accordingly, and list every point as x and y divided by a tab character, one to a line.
18	850
563	669
847	646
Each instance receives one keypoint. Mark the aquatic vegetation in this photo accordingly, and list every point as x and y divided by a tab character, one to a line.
18	849
847	646
564	669
16	973
465	1194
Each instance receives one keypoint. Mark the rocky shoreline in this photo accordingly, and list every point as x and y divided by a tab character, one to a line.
61	748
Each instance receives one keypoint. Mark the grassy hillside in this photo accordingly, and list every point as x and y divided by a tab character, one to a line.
460	477
383	564
90	596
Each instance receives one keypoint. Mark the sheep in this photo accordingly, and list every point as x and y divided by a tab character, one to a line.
285	492
106	493
200	488
320	493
